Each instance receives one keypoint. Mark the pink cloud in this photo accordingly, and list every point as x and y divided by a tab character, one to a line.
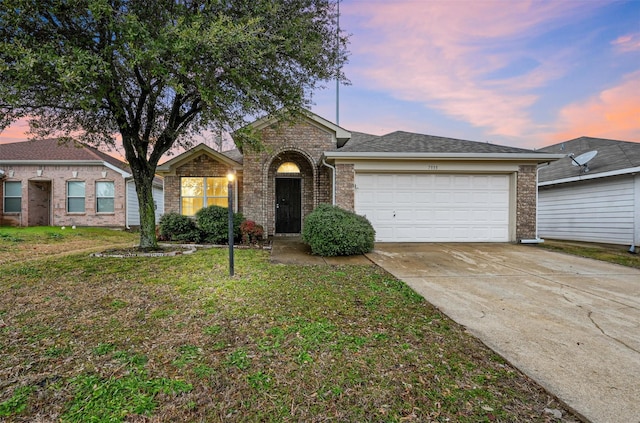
627	43
440	54
614	113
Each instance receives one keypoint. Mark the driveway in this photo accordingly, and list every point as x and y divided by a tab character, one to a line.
572	324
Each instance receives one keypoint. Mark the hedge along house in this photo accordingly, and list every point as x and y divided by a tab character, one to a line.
412	187
45	182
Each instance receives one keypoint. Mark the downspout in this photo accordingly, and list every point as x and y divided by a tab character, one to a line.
537	239
333	181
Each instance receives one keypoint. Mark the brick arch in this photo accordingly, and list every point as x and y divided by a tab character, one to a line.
308	175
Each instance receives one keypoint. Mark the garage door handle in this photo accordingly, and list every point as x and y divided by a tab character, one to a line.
394	214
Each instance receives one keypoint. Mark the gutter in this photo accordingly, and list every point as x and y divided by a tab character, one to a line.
333	181
68	163
591	176
540	157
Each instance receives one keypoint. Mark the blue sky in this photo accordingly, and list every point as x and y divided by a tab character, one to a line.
511	72
519	73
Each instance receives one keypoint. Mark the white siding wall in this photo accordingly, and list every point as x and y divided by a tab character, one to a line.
133	211
158	197
599	210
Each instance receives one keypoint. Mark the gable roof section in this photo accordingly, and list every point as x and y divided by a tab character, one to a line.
51	150
407	145
613	158
341	135
228	159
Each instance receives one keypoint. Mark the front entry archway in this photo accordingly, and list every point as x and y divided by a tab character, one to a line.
288	205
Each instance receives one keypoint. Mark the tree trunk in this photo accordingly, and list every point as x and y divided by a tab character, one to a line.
144	189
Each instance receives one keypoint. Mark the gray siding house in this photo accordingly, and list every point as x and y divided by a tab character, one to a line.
596	203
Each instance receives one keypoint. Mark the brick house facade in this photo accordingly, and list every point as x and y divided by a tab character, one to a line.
54	184
313	161
199	162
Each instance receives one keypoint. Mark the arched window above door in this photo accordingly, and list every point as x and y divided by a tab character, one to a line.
288	167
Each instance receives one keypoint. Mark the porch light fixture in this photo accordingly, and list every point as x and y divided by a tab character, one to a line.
230	177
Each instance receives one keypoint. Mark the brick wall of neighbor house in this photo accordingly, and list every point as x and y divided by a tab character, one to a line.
56	177
345	188
201	166
308	143
526	203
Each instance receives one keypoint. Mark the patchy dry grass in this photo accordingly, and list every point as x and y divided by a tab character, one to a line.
175	339
18	244
618	254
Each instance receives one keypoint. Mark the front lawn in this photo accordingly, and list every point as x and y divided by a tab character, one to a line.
19	244
175	339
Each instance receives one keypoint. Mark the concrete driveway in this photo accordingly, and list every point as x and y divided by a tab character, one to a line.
572	324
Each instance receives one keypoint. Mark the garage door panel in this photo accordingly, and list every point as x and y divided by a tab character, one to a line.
435	207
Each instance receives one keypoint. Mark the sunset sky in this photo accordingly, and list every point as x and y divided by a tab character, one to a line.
519	73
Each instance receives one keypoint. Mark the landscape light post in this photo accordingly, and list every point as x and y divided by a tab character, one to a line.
230	178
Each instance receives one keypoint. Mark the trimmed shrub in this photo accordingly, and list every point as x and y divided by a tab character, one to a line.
176	227
332	231
251	232
213	221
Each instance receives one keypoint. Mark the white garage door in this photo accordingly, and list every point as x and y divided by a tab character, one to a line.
435	207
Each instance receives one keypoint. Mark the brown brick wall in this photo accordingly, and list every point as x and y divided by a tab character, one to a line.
345	192
526	203
303	144
201	166
54	178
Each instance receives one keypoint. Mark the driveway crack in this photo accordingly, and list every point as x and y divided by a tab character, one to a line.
589	315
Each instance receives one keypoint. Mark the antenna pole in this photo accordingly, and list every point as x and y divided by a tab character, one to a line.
338	69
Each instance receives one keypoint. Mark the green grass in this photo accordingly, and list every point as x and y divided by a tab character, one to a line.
24	244
618	254
177	339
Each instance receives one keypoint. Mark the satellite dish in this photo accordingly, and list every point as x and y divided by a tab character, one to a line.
583	159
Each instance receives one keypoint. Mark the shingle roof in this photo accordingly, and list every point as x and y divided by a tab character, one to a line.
407	142
612	155
52	149
234	155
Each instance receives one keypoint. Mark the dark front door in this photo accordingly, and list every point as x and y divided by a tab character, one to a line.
39	203
288	206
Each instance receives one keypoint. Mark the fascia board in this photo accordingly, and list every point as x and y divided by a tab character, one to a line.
189	154
52	162
318	121
124	173
629	170
535	157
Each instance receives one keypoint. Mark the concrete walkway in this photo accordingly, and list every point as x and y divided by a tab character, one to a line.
572	324
291	250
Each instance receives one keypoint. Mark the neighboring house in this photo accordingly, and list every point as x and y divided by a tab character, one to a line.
412	187
601	204
44	182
